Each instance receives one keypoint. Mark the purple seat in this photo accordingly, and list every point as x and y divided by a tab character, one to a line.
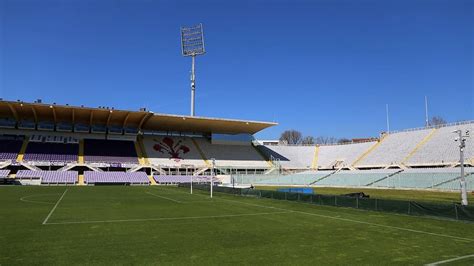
4	173
110	151
51	152
49	177
91	177
9	149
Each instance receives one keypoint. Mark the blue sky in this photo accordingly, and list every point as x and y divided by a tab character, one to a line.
326	68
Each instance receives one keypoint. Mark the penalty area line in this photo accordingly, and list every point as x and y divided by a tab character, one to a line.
166	198
171	218
54	208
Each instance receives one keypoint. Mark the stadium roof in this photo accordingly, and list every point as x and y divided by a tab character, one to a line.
143	120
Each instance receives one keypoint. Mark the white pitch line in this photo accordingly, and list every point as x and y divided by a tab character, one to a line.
171	218
359	222
177	201
54	208
450	260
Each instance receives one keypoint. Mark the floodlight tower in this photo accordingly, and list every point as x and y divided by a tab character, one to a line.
462	144
192	44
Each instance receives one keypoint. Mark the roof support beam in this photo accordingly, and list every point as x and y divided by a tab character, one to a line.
54	113
14	112
91	117
126	119
109	117
144	119
34	113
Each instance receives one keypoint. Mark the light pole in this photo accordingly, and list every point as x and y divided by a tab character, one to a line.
462	145
192	44
212	174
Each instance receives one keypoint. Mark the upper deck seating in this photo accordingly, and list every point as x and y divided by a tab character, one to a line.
9	149
295	157
51	152
227	155
110	151
172	151
441	147
394	148
329	155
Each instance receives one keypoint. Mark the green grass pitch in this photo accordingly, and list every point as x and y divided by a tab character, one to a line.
166	225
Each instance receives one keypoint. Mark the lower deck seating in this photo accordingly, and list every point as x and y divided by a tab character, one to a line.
295	179
91	177
354	178
110	151
178	179
4	173
421	178
49	177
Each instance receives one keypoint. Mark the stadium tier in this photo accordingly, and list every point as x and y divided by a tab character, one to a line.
138	145
91	177
4	173
110	151
9	149
178	179
51	152
49	177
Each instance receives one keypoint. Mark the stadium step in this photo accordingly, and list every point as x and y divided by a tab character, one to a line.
365	154
203	156
324	177
200	171
81	180
419	145
30	167
80	157
152	180
21	154
314	164
383	178
450	180
268	160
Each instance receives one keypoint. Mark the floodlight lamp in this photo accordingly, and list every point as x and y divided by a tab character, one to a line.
192	40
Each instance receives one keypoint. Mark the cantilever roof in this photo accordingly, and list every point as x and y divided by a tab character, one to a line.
142	120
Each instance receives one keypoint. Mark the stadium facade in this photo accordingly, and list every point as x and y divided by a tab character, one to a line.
62	144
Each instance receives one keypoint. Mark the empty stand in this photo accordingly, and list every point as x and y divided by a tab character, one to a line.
4	173
9	149
336	156
110	151
172	151
442	149
421	178
49	177
178	179
232	155
295	157
394	148
116	178
51	152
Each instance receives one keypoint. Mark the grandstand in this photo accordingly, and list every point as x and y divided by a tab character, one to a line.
54	144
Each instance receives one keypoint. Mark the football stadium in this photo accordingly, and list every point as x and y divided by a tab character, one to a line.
101	186
88	185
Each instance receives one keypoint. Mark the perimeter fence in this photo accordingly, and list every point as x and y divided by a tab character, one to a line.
453	211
